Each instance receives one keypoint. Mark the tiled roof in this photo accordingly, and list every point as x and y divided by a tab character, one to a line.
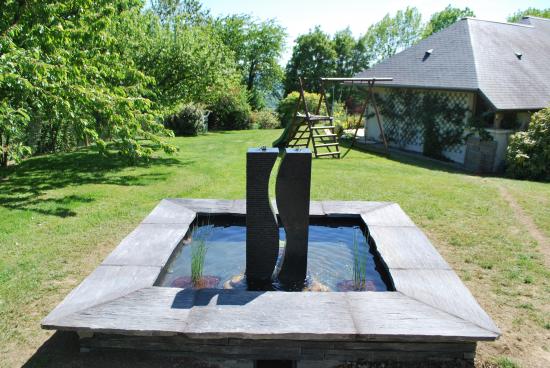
508	63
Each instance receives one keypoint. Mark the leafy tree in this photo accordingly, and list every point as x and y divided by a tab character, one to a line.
257	46
184	70
351	54
394	34
516	17
313	57
445	18
63	81
191	11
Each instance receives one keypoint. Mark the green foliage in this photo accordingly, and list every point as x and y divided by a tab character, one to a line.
265	120
188	120
528	153
287	106
505	362
313	57
394	34
435	117
12	127
257	46
60	64
230	111
445	18
175	55
198	256
359	265
516	17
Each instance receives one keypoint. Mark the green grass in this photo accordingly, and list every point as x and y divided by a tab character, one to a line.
60	215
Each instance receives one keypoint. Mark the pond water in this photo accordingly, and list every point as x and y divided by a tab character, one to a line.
339	257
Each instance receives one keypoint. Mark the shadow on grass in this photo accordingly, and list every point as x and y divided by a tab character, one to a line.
407	158
23	187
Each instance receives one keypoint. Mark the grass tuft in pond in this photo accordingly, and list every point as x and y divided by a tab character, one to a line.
359	265
198	256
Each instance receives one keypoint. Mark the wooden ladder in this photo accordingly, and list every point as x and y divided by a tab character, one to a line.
317	129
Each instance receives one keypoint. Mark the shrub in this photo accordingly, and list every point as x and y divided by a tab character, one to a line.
287	108
265	120
528	153
189	120
230	111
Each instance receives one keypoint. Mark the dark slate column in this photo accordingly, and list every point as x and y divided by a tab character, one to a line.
292	193
262	231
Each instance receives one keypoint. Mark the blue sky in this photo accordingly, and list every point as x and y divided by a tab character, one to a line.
298	16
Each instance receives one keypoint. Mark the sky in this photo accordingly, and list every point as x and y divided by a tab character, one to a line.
299	16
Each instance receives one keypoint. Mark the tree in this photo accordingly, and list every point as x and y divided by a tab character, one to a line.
351	54
393	34
257	46
445	18
516	17
313	57
184	70
191	10
63	81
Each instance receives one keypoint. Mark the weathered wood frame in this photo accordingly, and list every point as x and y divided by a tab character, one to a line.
119	302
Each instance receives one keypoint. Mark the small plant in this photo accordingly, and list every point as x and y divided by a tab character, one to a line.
359	266
198	255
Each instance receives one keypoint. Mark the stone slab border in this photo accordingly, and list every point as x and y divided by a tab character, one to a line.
119	298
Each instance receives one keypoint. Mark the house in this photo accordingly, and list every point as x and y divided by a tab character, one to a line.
493	74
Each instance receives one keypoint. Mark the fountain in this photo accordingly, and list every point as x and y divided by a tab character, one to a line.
296	281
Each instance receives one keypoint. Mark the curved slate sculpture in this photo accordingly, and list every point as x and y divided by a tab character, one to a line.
262	231
292	194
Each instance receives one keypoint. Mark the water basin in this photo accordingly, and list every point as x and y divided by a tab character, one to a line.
340	257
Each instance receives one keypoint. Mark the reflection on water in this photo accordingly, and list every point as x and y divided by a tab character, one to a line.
332	254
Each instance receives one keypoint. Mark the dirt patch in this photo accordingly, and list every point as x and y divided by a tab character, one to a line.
527	222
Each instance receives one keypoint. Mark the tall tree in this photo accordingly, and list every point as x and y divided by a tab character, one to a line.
62	75
351	54
445	18
516	17
184	70
393	34
313	57
257	46
191	10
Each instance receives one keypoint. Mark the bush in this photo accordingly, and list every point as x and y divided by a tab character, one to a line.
230	111
265	120
287	108
189	120
528	153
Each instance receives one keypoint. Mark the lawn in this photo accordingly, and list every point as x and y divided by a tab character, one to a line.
60	215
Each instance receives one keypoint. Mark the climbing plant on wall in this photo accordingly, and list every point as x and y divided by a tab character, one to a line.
435	120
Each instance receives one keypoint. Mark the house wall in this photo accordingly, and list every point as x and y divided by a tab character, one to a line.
456	154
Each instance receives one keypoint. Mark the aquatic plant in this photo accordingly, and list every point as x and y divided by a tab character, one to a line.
359	265
198	254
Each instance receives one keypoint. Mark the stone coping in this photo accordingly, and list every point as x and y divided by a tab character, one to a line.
430	303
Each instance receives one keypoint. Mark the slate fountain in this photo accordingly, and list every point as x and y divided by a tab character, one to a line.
416	309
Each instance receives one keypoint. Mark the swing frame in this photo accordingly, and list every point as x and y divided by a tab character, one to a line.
369	98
